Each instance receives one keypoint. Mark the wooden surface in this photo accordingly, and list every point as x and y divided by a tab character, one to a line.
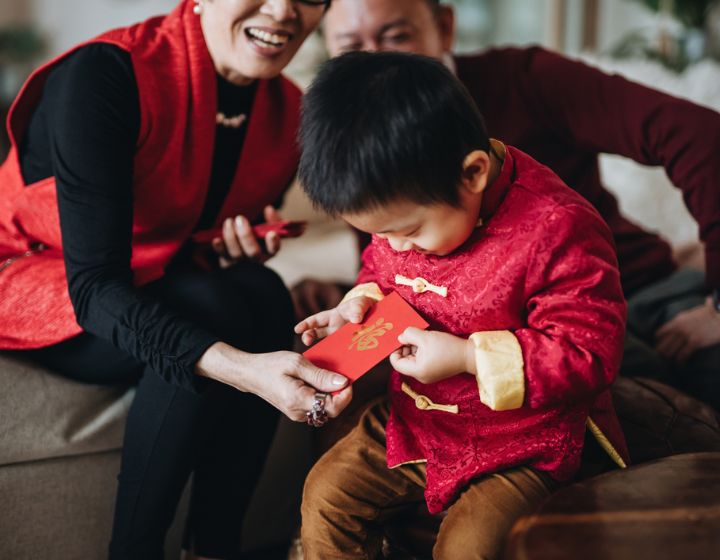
664	509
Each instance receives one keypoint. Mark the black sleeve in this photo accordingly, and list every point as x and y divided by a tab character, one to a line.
93	118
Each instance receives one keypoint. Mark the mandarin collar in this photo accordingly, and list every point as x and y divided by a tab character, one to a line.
495	193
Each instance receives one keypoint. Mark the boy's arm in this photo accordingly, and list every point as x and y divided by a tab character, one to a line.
572	345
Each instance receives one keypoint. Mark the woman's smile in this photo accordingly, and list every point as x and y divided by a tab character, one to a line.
267	41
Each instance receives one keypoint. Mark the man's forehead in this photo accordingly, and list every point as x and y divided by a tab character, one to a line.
346	15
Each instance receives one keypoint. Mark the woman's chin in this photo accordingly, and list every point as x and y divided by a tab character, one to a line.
261	67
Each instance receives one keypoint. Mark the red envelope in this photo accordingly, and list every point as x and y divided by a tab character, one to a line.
283	229
354	349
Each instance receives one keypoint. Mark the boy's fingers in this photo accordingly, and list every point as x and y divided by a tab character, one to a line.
412	336
355	309
308	337
403	364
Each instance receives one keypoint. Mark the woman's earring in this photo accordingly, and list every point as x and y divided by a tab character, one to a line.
197	8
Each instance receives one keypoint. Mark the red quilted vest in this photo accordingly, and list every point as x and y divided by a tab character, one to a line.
172	167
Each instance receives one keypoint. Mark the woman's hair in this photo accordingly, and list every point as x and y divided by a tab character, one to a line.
383	127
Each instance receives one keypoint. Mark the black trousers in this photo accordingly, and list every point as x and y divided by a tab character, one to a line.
219	434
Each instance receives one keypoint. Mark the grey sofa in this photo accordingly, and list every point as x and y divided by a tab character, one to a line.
60	454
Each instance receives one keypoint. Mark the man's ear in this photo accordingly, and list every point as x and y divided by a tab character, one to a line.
476	171
446	23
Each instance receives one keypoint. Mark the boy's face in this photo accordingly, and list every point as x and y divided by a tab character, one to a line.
408	226
435	229
389	25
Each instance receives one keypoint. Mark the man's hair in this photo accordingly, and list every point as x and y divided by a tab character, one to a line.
383	127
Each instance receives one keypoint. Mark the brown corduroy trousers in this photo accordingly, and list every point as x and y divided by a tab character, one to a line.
350	493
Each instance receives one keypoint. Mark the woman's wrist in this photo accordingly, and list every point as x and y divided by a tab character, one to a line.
225	364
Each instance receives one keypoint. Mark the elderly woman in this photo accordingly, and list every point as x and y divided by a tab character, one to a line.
138	140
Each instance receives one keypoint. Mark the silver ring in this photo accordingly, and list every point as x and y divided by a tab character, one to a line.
317	416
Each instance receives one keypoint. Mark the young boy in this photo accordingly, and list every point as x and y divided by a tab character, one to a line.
516	275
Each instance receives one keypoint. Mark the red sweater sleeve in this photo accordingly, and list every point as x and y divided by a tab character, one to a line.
607	113
573	343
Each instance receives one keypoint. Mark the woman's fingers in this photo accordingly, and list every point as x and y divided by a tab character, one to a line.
232	243
335	404
246	238
272	243
239	241
272	215
322	380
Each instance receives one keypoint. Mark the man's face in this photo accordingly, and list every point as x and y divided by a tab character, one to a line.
389	25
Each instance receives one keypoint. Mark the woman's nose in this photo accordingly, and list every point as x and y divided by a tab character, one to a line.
279	10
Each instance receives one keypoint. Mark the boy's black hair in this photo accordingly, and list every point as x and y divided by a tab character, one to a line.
381	127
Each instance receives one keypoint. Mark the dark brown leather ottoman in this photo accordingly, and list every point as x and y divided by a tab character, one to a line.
665	509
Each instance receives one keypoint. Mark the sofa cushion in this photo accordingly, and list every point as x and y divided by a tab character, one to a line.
43	415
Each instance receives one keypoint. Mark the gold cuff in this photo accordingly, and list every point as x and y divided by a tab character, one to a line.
500	369
369	289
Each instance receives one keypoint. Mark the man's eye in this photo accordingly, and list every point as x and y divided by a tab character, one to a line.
397	38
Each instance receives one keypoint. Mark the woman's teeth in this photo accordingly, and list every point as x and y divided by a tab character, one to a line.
267	39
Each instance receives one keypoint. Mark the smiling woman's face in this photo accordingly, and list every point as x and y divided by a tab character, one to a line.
256	39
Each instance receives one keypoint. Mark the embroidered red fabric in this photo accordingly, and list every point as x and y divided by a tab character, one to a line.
542	266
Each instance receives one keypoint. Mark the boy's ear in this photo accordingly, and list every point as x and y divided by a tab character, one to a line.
476	171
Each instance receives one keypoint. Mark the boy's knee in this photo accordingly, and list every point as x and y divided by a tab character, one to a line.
478	523
467	541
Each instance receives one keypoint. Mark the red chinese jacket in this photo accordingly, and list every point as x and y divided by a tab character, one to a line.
537	288
172	166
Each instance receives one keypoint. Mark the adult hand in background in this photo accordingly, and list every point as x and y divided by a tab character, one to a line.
312	296
284	379
238	241
688	332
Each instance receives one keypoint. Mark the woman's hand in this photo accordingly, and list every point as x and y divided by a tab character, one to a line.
327	322
284	379
239	242
431	356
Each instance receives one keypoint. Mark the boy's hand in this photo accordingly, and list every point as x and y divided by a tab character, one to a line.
327	322
431	356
